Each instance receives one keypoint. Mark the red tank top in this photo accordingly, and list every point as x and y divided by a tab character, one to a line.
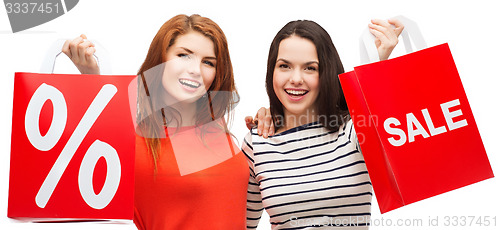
199	184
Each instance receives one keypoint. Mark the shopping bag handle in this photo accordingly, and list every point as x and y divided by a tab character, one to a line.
55	50
368	50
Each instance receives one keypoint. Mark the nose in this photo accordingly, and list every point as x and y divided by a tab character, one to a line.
194	67
296	77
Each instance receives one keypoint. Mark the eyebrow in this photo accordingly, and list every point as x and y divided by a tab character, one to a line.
191	52
187	50
288	62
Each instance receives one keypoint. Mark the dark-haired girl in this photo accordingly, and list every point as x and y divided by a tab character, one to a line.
310	174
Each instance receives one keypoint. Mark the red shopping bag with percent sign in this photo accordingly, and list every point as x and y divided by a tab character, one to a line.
414	124
72	148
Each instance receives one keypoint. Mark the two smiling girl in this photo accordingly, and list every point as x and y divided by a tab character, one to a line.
310	170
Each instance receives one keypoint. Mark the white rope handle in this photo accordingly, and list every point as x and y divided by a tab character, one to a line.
55	50
368	50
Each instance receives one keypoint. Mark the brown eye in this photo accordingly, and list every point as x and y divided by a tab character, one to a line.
311	68
283	66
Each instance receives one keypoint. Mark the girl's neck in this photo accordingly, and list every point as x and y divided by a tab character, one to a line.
295	120
187	115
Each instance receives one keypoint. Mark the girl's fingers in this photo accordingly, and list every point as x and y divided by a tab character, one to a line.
271	130
264	121
379	35
259	118
398	24
267	124
73	47
386	30
89	56
85	39
381	22
81	52
83	48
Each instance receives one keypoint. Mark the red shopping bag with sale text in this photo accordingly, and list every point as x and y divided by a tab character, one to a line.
72	147
415	127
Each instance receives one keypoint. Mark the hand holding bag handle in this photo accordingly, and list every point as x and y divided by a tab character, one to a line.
55	50
368	50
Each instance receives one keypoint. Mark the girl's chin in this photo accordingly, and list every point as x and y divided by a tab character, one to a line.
183	99
298	111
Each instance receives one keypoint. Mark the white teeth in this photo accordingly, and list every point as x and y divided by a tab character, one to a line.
296	92
189	83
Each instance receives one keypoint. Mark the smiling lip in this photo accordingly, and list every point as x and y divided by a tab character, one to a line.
189	85
296	94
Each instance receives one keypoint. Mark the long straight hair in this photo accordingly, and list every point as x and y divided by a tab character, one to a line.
331	105
221	97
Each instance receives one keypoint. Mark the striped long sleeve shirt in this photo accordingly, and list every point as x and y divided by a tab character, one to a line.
308	178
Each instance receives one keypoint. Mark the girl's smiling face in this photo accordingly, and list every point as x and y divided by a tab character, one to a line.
189	68
296	76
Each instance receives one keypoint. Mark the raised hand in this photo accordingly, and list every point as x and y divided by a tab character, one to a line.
386	35
81	52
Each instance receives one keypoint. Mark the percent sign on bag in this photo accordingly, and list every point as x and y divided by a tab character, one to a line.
73	146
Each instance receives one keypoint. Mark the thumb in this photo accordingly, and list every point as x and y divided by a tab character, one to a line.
399	30
249	122
398	26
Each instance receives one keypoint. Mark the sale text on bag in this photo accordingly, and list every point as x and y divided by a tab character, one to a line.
415	127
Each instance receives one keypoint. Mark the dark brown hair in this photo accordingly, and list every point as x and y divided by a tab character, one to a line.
221	95
331	105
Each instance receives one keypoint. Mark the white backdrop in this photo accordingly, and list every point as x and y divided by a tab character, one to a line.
126	29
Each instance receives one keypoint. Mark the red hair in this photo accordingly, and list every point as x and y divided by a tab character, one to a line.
222	93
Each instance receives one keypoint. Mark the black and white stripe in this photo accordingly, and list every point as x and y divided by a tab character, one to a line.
308	178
